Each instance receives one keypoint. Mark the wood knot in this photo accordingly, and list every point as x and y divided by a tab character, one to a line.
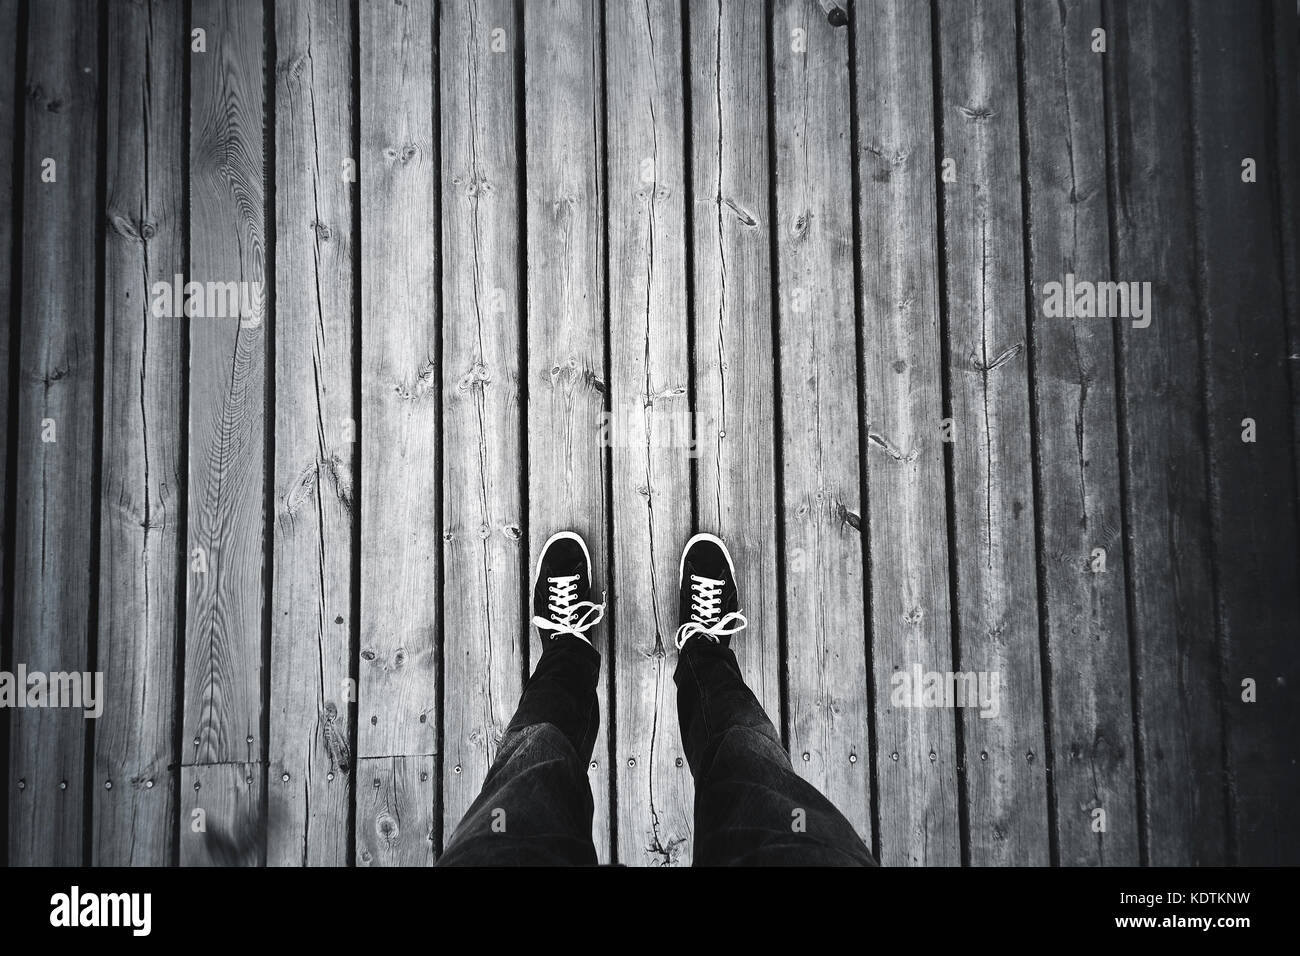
979	113
574	374
847	518
478	185
652	193
424	382
386	829
477	377
746	218
321	229
133	229
562	208
402	155
56	374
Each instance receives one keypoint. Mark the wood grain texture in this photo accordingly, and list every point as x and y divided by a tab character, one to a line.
141	551
56	427
227	360
395	816
733	362
483	452
650	427
1285	95
1081	557
567	361
481	192
1162	409
1252	483
9	45
992	481
221	821
310	763
826	632
400	477
902	404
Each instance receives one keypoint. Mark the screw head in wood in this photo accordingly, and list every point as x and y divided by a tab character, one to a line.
284	778
108	784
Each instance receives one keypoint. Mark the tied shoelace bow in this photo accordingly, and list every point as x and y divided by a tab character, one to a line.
706	601
568	616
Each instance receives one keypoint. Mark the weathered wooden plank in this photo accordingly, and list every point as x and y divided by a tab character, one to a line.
902	404
227	453
56	427
567	361
821	515
9	32
1081	561
1284	27
400	486
141	479
395	814
992	482
221	821
650	425
1252	475
1162	412
483	456
735	405
310	747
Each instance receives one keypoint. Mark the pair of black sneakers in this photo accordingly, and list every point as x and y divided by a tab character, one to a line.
708	603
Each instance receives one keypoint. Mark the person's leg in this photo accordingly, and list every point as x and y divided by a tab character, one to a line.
536	805
751	808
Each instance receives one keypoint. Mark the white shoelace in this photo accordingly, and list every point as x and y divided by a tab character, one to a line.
706	601
568	616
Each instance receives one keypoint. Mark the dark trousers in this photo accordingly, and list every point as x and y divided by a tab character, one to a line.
751	808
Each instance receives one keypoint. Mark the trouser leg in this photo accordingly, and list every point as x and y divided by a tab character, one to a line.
536	807
751	808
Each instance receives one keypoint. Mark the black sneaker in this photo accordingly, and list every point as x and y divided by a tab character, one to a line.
709	602
562	589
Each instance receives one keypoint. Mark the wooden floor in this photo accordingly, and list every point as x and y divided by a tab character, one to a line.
636	269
